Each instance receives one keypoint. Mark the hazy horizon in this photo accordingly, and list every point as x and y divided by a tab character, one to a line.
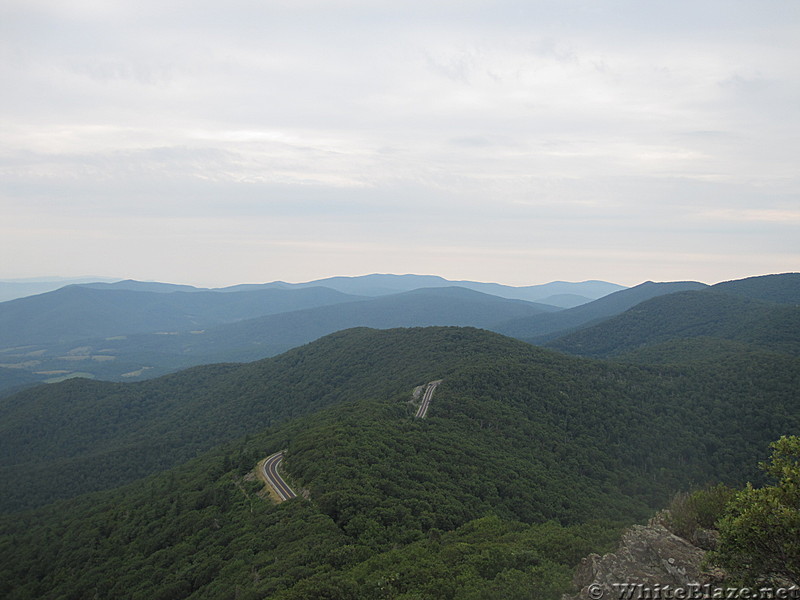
107	279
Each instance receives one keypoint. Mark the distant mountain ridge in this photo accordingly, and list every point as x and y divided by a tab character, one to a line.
10	289
451	306
380	284
762	313
782	288
383	284
148	354
121	334
129	330
79	312
540	328
139	329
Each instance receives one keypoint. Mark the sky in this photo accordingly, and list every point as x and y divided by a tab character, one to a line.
518	141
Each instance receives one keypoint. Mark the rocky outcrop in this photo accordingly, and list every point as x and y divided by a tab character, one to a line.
649	558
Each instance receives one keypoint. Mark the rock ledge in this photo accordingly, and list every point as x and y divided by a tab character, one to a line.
649	558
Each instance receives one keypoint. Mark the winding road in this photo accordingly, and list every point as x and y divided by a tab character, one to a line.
426	399
274	480
269	466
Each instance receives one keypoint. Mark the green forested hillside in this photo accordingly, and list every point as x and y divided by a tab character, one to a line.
562	439
540	328
452	306
82	435
705	315
202	531
702	349
782	288
528	459
140	335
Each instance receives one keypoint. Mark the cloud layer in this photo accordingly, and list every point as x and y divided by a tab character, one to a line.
514	141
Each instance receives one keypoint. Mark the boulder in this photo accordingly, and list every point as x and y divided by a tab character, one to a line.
649	558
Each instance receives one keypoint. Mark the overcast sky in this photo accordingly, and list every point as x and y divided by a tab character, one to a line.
521	142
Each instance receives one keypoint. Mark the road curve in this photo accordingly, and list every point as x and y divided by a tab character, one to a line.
275	481
426	399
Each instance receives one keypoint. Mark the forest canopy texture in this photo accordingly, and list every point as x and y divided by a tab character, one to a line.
528	460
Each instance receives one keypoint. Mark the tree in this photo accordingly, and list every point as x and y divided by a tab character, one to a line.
760	534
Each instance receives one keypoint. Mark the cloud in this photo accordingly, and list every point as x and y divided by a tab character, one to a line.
543	124
787	217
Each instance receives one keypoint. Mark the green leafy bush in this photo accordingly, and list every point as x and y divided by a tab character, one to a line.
760	535
701	509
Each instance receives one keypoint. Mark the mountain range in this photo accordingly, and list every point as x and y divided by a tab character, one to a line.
528	459
379	284
130	330
127	330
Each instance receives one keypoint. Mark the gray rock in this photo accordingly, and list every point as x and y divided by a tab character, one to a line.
648	558
707	539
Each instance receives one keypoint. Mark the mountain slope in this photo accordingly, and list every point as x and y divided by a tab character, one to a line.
399	505
77	436
782	288
201	530
11	289
540	328
450	306
66	438
145	355
689	315
385	284
76	313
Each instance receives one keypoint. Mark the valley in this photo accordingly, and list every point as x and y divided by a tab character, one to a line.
144	330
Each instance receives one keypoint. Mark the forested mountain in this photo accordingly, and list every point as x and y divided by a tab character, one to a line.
78	433
133	285
565	300
66	438
84	427
128	330
76	313
781	288
142	355
540	328
497	492
386	284
528	459
10	289
269	335
698	323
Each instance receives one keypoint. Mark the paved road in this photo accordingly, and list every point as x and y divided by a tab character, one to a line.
426	399
274	479
270	465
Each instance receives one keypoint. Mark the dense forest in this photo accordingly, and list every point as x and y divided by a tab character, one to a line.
80	435
756	314
528	459
102	434
686	316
